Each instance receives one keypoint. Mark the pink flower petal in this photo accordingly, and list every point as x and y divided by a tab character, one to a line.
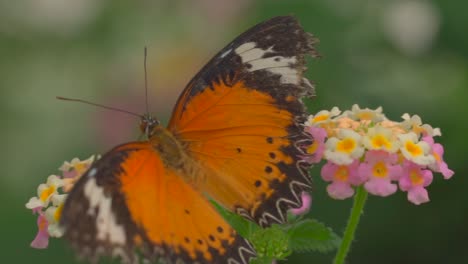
427	175
380	187
418	195
373	156
366	168
428	139
70	174
440	165
318	135
437	148
37	210
340	190
414	179
405	183
395	172
306	202
365	171
409	167
41	240
328	171
446	172
354	177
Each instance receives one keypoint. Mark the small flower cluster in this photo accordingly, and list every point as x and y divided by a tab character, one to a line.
48	203
363	147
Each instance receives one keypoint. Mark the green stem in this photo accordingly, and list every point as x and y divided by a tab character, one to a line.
353	221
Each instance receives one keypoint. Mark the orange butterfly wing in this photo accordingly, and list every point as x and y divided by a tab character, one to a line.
128	199
241	119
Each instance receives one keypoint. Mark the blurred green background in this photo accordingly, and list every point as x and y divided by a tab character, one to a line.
407	56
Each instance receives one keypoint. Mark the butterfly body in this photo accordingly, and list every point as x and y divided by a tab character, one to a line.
169	148
232	138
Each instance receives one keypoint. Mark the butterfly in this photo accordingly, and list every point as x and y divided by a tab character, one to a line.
232	138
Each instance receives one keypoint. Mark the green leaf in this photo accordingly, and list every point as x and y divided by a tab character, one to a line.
311	235
244	227
278	242
271	243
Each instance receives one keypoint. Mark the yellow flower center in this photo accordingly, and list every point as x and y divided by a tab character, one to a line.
380	170
80	168
312	148
418	130
415	177
413	149
45	194
58	213
320	118
342	173
436	156
365	116
380	141
346	145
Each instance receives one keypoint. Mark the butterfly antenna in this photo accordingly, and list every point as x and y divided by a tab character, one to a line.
98	105
146	82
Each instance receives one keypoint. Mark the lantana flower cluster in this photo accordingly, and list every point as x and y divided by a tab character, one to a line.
48	203
363	147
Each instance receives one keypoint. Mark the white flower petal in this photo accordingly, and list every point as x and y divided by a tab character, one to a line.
436	132
55	230
49	214
89	160
425	158
411	136
405	116
357	113
54	180
348	133
41	188
416	120
65	166
357	153
74	161
338	157
334	111
379	131
424	146
355	108
59	199
322	116
331	143
34	202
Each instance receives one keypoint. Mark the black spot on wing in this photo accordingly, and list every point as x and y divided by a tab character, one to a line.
258	183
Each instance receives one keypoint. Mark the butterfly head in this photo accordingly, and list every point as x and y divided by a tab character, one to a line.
148	124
